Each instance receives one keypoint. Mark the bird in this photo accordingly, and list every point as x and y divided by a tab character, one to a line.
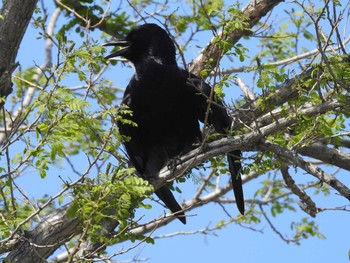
167	104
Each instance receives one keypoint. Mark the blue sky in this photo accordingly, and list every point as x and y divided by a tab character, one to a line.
232	244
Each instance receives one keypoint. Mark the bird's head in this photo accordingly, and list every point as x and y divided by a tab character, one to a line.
145	42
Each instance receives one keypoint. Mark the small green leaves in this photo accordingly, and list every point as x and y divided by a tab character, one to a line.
270	76
305	229
117	195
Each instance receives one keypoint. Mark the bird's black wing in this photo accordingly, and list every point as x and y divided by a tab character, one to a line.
128	128
220	120
148	161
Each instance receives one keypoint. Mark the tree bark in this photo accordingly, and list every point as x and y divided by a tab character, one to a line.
16	15
38	244
328	155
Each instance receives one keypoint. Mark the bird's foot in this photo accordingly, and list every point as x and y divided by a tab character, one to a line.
173	163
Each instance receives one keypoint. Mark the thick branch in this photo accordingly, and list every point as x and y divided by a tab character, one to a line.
287	91
328	155
16	16
295	159
30	92
45	238
211	54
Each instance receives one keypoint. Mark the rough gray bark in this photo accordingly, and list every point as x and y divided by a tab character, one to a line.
328	155
16	15
38	244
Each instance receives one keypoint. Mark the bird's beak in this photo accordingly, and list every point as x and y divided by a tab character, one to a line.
120	52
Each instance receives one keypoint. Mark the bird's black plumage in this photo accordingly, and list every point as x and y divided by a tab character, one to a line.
166	103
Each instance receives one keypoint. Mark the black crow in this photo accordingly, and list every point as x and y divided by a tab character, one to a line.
166	103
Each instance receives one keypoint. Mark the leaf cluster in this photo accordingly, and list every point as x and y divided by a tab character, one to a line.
113	196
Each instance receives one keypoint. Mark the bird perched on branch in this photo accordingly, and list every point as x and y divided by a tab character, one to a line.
166	103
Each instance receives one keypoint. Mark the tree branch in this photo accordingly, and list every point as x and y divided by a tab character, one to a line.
328	155
30	92
291	157
45	238
16	16
308	205
211	54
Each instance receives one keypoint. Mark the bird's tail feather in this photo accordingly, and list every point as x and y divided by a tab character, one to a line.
169	200
235	171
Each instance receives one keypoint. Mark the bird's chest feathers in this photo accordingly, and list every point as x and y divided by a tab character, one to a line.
162	101
156	98
159	93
